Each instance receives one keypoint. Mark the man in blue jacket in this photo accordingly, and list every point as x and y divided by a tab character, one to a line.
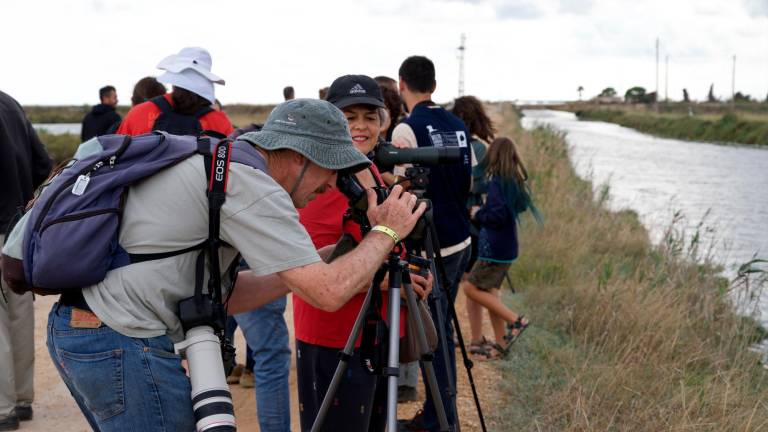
102	117
430	125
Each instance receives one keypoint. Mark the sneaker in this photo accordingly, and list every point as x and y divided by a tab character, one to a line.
9	423
246	380
406	394
234	377
24	413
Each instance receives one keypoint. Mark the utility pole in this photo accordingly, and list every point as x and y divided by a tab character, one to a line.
666	79
657	68
733	83
462	49
656	102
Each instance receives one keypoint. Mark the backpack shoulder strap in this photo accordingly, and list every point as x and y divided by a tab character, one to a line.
202	111
162	103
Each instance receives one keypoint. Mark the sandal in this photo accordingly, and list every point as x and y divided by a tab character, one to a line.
516	329
480	347
498	352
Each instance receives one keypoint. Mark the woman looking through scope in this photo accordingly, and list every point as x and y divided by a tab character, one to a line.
360	402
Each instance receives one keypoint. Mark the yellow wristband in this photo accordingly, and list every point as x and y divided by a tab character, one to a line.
388	231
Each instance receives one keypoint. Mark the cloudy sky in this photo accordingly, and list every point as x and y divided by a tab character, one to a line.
62	51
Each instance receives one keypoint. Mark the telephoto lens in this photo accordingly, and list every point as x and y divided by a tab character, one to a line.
211	399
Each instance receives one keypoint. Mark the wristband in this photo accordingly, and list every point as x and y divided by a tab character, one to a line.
388	231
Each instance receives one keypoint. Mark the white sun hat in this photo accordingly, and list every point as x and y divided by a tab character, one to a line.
190	69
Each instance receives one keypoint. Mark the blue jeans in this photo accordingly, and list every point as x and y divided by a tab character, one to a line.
454	268
229	332
121	383
267	336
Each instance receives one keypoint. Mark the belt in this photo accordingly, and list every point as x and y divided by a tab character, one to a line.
74	298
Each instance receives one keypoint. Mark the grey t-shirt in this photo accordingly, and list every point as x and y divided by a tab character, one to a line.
168	212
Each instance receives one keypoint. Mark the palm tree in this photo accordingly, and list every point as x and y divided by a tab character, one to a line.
580	89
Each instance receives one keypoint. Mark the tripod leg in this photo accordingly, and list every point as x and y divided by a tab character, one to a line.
426	356
433	249
345	356
393	360
440	294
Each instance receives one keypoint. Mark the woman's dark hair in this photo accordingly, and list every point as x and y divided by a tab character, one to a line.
470	110
146	89
187	103
394	105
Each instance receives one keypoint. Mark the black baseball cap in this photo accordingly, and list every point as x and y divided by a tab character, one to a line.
355	90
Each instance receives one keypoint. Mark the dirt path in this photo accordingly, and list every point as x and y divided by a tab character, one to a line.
56	410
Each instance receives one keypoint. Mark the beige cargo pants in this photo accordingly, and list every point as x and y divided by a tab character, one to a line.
17	349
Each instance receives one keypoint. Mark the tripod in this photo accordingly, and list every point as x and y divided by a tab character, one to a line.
441	293
399	278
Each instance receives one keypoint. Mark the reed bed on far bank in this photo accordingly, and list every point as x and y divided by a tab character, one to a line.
726	128
626	336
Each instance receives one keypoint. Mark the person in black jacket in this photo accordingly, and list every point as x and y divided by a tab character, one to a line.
24	165
102	116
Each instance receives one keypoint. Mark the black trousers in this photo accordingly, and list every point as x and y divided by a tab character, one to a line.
360	403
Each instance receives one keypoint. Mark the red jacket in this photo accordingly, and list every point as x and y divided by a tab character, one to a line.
141	118
323	219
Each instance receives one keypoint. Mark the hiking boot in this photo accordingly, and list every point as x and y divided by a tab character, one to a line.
246	380
24	413
237	372
406	394
9	423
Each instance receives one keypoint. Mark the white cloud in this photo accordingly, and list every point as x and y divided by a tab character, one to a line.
756	8
518	9
578	7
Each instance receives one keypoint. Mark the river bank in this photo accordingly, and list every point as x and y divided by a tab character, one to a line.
728	127
626	335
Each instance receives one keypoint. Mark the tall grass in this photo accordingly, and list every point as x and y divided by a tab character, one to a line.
60	147
626	336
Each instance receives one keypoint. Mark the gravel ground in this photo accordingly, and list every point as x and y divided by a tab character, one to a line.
56	410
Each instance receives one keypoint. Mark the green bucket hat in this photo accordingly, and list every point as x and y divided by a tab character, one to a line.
314	128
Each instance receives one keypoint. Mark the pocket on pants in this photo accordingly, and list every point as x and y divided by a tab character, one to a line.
98	378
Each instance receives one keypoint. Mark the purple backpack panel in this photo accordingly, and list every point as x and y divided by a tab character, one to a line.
71	240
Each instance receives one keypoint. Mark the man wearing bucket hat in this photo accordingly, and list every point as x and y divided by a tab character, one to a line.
133	314
187	109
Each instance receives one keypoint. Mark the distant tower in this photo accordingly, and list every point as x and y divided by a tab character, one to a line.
666	79
657	68
461	49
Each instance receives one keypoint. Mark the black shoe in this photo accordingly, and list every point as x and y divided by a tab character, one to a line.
406	394
9	423
416	424
24	413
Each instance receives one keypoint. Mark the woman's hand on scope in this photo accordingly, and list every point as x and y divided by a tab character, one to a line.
396	212
422	286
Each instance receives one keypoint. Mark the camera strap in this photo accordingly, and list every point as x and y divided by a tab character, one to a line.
216	164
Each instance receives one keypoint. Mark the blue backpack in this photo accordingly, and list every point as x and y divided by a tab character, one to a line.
71	238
